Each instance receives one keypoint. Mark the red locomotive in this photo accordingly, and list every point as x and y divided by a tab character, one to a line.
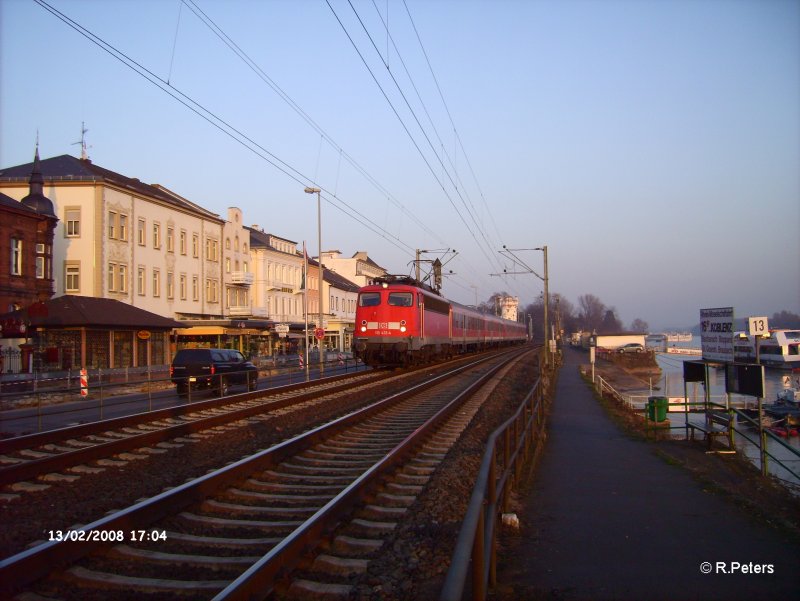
399	322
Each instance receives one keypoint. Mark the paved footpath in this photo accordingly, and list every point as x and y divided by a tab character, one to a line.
605	518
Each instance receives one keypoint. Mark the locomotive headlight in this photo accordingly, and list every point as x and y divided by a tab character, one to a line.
363	328
402	328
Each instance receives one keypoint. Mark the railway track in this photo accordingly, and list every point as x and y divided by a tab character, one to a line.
62	455
238	531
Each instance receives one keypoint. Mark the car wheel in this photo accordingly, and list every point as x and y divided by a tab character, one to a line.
252	382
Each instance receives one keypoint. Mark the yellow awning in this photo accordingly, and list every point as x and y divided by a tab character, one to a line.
200	331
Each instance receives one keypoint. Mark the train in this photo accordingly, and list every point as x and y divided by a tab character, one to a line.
401	322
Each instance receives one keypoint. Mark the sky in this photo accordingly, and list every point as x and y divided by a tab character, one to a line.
653	146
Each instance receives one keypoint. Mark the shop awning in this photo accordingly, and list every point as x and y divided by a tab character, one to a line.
201	331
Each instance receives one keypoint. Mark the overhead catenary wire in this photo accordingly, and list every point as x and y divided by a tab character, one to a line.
225	127
487	251
236	134
452	122
451	160
283	95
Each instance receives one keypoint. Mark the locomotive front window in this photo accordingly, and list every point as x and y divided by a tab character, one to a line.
401	299
369	299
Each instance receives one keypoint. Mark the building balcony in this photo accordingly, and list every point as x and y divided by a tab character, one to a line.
242	278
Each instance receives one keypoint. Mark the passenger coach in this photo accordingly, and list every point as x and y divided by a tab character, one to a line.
399	322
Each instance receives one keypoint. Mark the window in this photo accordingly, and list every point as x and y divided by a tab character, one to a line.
141	281
227	264
156	283
401	299
72	277
195	246
16	256
156	235
212	249
72	217
183	242
170	240
140	232
183	286
39	267
195	288
123	227
170	285
117	277
369	299
112	225
236	244
212	291
227	243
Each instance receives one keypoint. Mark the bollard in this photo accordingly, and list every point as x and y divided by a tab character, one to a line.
84	383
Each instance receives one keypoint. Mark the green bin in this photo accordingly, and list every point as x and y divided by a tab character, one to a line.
657	408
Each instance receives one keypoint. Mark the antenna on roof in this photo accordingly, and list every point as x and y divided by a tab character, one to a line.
82	142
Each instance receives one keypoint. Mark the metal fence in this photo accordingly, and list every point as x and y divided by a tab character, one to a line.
32	394
771	453
508	447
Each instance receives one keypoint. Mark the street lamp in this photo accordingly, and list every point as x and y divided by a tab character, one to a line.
317	191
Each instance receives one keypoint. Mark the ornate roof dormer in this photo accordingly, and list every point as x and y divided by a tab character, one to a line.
36	200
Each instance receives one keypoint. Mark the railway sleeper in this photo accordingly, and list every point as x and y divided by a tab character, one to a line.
101	580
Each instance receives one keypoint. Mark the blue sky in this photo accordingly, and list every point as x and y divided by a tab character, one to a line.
653	146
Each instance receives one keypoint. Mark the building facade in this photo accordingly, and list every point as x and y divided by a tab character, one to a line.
359	268
27	229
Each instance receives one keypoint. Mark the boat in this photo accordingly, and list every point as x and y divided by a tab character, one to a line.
781	348
786	407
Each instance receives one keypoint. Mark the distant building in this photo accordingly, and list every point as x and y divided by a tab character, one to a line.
359	268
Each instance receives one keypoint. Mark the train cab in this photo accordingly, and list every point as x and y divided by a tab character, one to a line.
387	322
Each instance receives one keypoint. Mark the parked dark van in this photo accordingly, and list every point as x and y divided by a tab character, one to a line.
214	368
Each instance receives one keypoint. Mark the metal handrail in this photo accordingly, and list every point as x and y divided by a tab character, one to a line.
476	540
602	386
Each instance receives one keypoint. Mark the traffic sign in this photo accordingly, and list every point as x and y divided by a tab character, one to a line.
319	333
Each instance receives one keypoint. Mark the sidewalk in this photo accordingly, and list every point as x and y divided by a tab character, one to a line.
605	518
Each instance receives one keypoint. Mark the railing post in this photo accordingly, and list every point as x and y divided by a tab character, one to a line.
478	560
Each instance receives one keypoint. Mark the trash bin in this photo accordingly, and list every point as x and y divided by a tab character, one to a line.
657	408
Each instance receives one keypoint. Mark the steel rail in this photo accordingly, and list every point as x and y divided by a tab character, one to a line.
29	565
36	467
257	581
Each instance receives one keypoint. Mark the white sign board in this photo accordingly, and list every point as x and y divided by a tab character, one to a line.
282	328
716	334
759	326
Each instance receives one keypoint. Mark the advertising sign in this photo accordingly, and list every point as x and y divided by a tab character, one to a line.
716	334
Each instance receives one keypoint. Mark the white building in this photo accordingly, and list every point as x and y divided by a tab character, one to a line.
359	268
122	239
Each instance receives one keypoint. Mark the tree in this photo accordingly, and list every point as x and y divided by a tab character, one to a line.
611	322
592	311
785	320
639	325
